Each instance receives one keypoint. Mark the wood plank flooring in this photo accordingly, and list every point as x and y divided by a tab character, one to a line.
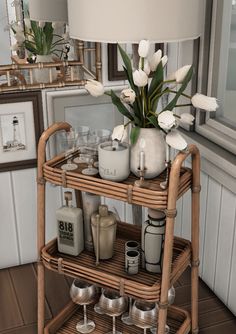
18	302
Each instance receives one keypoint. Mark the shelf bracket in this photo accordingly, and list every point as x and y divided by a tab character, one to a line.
164	305
41	180
63	179
122	286
195	263
130	194
60	265
196	189
171	213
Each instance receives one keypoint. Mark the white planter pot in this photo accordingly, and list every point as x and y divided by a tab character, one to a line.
151	141
42	75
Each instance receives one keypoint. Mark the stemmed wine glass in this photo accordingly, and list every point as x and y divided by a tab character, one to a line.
84	293
68	143
126	317
144	314
112	304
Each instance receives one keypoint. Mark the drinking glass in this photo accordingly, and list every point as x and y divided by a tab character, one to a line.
67	143
144	314
84	293
126	317
89	153
153	330
112	304
102	136
82	138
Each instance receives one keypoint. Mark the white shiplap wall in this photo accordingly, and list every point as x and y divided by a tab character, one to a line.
217	220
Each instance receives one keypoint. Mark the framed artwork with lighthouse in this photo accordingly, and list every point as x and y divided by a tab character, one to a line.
21	124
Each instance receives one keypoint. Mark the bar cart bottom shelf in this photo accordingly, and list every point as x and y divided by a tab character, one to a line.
65	322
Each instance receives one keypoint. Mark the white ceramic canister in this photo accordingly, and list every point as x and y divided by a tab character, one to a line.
91	204
152	239
113	161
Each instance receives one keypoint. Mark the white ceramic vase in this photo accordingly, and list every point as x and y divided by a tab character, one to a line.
42	75
150	141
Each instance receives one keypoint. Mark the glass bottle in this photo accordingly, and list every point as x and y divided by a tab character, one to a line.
70	231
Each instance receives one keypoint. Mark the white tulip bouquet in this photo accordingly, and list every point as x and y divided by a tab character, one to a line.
140	102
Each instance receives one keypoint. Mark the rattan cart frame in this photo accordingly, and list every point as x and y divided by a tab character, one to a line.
180	180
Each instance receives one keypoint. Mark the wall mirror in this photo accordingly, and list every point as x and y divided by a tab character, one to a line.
21	64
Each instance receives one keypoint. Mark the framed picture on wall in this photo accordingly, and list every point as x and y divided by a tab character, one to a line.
21	124
115	64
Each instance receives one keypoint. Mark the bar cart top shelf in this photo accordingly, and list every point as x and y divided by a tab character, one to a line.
151	196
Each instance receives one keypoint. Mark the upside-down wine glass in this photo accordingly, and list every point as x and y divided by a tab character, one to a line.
84	293
112	304
144	314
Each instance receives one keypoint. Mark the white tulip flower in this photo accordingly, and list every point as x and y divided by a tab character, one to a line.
155	60
118	133
146	68
186	118
204	102
164	60
181	73
95	88
27	23
166	120
140	78
127	96
20	37
41	24
175	140
143	48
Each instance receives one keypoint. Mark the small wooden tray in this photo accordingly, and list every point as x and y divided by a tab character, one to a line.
111	273
178	320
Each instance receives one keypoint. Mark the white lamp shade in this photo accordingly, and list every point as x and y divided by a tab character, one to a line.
130	21
48	10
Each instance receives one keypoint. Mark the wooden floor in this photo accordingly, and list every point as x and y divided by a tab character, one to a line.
18	292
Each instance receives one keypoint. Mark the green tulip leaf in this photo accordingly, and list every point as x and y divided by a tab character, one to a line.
134	134
153	120
156	80
120	106
186	80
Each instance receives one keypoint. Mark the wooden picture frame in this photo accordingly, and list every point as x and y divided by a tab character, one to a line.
21	124
114	73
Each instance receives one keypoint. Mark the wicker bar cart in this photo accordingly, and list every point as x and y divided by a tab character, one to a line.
178	253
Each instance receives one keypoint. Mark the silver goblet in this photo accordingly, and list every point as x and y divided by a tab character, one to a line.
112	304
83	293
144	314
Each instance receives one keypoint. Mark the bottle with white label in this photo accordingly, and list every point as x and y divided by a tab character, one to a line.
70	231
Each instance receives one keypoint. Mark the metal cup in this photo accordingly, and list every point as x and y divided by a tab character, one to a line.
132	262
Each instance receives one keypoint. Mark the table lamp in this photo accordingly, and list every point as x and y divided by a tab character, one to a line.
129	21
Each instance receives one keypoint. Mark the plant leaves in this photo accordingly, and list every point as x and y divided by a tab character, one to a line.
153	120
156	80
186	80
120	106
134	134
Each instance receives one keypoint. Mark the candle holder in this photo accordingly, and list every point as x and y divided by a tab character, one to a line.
164	184
142	183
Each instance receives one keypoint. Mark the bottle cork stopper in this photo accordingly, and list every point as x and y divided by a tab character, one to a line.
68	195
103	210
156	214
